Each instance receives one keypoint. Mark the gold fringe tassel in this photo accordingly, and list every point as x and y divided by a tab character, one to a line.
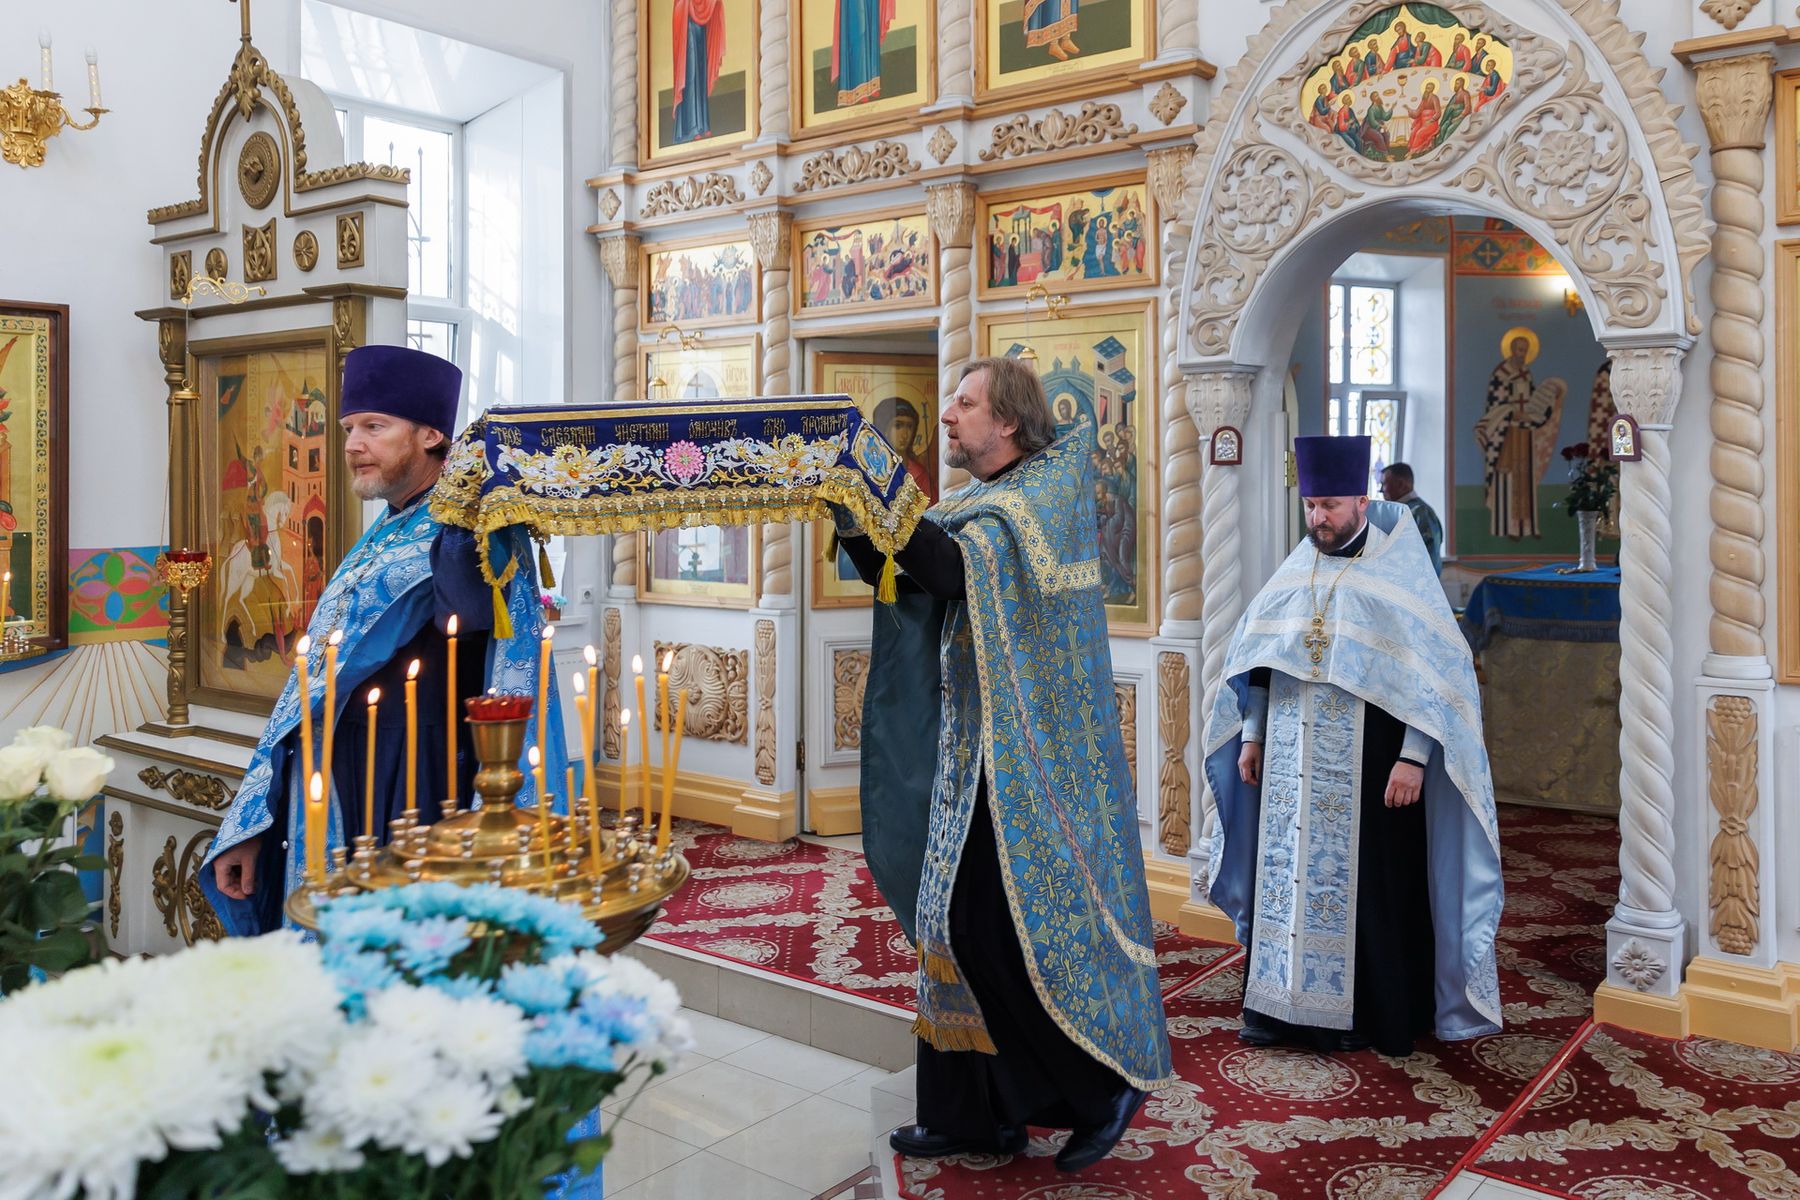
544	569
939	968
886	590
953	1039
503	627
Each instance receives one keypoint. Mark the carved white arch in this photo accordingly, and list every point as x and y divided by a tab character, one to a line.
1583	153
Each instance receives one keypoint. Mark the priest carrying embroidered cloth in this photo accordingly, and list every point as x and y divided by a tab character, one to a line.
1356	848
391	601
1015	865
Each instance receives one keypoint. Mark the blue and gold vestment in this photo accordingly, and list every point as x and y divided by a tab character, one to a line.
1026	697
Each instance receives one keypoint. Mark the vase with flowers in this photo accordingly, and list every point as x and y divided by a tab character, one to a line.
1593	482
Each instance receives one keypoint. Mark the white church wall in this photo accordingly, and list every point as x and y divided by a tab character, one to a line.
76	232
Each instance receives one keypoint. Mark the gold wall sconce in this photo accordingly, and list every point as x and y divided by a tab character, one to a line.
30	117
1053	304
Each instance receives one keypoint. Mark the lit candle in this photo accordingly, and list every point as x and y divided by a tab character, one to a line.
624	757
637	668
543	806
44	59
571	838
543	721
669	771
593	687
5	599
662	717
315	829
450	724
302	651
331	653
369	767
584	717
412	739
93	61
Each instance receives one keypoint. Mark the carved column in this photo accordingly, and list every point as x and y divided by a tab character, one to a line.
1177	30
624	76
955	54
951	209
619	255
1178	644
770	234
171	337
1645	939
772	109
1734	100
1218	398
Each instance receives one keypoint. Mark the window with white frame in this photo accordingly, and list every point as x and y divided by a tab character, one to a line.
1362	371
436	316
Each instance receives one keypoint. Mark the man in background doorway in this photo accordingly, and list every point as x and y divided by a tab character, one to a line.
1397	485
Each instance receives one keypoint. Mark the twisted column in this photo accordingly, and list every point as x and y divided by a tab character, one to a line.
1180	439
619	255
1644	936
772	108
1177	29
624	84
1734	98
955	53
951	210
770	235
1218	398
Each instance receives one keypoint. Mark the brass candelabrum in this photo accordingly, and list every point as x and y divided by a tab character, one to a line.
498	842
30	117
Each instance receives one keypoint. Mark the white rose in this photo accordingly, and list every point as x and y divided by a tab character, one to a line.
21	770
76	775
45	739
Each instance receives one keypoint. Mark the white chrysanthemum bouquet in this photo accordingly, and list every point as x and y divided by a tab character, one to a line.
44	778
444	1042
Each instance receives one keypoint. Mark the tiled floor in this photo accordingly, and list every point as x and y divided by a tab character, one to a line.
750	1116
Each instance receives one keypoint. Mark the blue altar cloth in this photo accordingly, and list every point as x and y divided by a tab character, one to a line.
1540	603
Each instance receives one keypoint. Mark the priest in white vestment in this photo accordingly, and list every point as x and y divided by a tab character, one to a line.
1356	848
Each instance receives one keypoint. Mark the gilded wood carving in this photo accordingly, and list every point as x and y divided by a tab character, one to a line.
181	274
1174	787
115	868
216	263
765	703
165	889
189	787
614	664
853	164
259	170
1731	761
1125	697
1057	130
195	914
350	240
306	250
259	252
696	192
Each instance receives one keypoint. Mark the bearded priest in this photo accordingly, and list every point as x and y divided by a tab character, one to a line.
392	599
1356	848
1015	866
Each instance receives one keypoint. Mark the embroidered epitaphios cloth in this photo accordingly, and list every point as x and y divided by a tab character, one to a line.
662	465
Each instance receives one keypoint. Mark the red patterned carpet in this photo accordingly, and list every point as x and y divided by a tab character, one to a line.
1250	1124
812	913
1637	1116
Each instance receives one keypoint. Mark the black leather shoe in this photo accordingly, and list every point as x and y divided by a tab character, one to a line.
918	1141
1350	1041
1252	1035
1086	1147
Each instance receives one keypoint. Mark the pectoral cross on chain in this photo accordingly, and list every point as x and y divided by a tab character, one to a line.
1316	642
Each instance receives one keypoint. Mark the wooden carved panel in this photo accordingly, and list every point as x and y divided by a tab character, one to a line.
115	869
718	686
849	683
165	890
613	665
765	703
259	252
1125	696
1731	761
1174	787
195	913
350	240
181	274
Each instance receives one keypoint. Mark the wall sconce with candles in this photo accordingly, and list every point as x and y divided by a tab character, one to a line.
1053	304
30	117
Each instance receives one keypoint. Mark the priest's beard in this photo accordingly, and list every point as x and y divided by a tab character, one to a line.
390	482
959	453
1328	538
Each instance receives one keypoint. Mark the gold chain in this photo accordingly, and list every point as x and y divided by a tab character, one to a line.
1317	640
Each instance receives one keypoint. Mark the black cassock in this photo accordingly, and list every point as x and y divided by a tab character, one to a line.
1039	1077
1395	958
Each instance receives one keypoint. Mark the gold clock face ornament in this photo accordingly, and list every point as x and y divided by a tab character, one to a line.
259	170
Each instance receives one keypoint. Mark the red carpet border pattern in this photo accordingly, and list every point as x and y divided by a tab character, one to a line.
811	912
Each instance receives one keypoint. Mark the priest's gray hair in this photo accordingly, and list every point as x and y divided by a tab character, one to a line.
1016	397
